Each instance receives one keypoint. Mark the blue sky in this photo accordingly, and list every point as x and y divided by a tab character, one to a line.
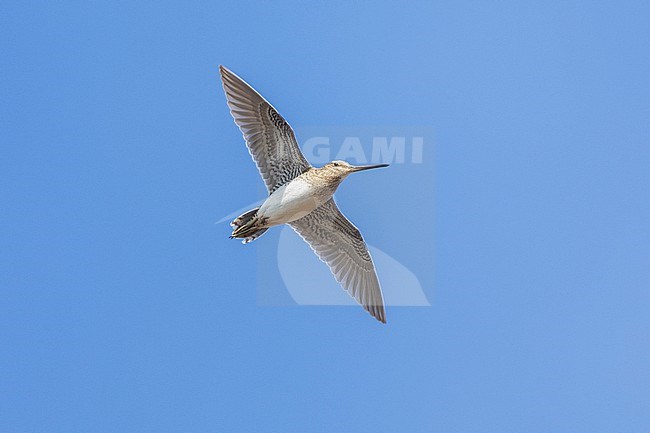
124	308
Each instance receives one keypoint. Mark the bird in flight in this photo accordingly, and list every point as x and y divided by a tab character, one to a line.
301	195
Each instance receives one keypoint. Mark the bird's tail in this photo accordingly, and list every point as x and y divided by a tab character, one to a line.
247	226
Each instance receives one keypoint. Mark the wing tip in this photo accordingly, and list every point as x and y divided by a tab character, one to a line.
378	313
228	75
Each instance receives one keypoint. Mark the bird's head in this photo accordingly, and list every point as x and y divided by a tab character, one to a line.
339	170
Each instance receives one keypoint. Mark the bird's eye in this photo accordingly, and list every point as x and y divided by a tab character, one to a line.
336	164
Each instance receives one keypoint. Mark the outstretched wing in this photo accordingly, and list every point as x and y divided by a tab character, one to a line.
270	140
338	243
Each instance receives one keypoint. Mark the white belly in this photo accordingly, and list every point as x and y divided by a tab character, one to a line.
290	202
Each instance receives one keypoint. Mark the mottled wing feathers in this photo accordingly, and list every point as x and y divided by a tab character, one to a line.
339	243
269	137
